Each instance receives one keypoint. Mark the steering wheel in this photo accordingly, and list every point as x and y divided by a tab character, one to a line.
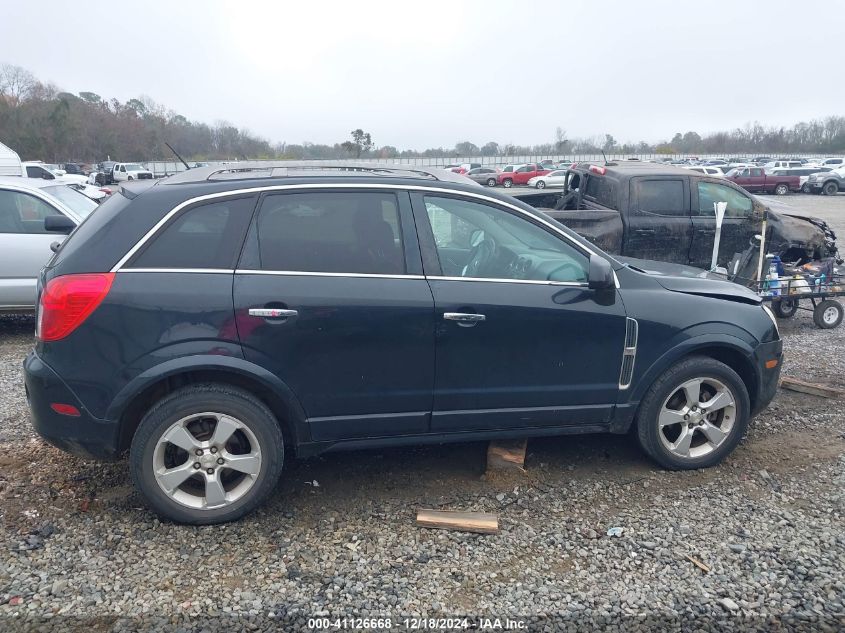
480	256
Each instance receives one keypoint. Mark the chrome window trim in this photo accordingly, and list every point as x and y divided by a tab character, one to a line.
216	271
235	192
305	273
571	284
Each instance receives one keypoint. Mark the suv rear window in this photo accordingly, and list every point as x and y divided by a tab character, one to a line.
331	233
209	235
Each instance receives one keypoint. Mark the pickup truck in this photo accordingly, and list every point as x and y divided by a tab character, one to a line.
831	182
521	175
666	213
758	180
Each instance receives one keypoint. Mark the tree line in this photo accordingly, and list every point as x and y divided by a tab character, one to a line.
41	121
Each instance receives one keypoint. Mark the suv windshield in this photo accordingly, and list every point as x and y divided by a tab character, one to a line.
81	205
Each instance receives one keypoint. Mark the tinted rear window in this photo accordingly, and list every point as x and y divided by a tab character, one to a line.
601	190
665	197
330	232
208	235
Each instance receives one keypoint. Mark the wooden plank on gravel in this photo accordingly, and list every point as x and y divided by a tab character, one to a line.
506	455
480	522
815	389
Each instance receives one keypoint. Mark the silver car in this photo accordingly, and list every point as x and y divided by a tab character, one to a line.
25	204
483	175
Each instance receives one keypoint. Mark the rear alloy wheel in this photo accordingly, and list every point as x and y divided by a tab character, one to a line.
694	415
491	182
508	183
541	184
828	314
805	188
830	188
781	189
207	454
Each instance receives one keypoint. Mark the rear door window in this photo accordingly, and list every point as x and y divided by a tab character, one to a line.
601	190
206	236
330	233
661	197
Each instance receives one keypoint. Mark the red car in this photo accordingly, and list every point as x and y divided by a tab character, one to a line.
756	180
521	175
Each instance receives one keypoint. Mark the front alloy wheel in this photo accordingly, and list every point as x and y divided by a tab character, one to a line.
697	418
694	414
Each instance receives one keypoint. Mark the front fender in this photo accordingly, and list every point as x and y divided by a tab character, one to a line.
679	351
212	363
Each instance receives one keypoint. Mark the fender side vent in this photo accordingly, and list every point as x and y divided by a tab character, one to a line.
629	353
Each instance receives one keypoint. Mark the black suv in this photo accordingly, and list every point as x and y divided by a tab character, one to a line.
207	322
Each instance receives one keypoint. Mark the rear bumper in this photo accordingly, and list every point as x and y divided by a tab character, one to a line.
82	435
768	377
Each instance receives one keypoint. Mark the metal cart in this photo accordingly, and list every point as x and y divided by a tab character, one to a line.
788	298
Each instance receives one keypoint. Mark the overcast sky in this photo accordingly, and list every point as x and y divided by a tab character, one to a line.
426	74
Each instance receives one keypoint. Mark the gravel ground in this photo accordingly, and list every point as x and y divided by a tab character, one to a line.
80	552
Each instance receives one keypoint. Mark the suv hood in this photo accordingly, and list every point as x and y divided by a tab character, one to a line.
692	281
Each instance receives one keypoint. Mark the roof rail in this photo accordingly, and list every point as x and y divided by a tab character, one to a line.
248	170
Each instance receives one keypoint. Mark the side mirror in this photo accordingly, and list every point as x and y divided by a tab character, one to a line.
59	224
601	274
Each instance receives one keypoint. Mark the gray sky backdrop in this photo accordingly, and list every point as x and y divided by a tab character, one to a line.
424	74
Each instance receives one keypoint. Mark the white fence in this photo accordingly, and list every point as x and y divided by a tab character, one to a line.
165	168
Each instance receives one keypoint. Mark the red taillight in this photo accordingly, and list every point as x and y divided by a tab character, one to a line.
601	171
67	301
106	191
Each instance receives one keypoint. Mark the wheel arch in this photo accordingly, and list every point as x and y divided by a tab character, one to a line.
140	394
733	352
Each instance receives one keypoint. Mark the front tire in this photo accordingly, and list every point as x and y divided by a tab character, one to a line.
541	184
805	188
694	415
507	183
830	188
207	453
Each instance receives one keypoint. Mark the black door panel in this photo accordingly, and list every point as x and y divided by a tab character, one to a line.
659	225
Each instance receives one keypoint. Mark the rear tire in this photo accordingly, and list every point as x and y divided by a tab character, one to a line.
830	188
711	437
828	314
491	182
250	447
805	188
781	190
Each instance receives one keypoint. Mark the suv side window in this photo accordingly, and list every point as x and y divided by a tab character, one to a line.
331	233
739	205
206	236
23	213
662	197
756	172
525	251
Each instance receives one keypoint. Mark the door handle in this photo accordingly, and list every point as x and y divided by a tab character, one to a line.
272	313
464	318
707	231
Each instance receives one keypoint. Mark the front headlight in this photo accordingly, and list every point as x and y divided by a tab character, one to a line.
772	317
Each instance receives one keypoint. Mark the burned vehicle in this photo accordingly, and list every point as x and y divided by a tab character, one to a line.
666	213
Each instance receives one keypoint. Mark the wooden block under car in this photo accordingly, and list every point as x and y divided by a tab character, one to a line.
480	522
506	455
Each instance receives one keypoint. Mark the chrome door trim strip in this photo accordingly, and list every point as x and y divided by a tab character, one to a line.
303	273
235	192
214	271
538	282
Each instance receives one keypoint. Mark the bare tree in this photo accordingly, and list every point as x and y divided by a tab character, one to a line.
16	83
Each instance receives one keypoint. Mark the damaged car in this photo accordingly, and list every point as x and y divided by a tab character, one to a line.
666	213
